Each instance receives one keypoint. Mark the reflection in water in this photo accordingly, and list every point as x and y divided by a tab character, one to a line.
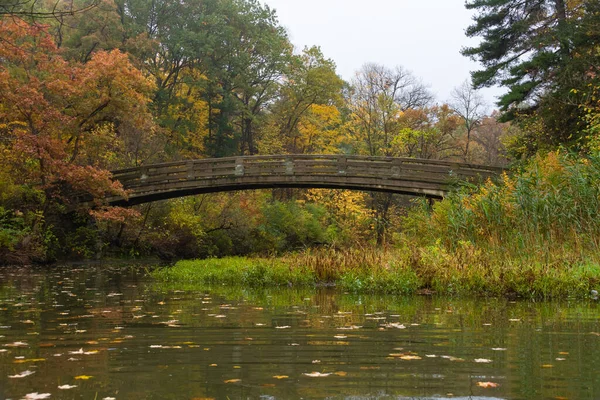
99	333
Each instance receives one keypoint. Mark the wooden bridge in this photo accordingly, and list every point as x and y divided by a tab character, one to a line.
419	177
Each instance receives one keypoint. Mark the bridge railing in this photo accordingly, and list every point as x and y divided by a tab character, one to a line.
152	176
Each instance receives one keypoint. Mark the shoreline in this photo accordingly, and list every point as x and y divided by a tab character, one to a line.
390	273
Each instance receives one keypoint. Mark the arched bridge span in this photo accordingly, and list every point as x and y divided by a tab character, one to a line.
430	178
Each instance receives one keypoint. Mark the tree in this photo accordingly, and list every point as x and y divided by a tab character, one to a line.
35	10
469	105
378	96
52	111
490	137
310	81
540	50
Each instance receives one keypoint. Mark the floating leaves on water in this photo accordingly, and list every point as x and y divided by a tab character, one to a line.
22	374
83	377
283	327
515	320
451	358
212	365
483	360
80	351
404	356
340	336
563	353
430	356
499	348
487	385
316	374
36	396
547	366
17	344
340	373
316	361
349	328
66	387
28	360
394	325
109	398
280	376
232	380
560	359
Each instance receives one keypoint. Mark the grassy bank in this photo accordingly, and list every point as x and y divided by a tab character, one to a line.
402	271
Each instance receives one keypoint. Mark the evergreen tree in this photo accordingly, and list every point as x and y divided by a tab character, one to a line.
542	51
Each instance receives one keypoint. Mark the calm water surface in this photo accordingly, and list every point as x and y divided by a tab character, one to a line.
101	332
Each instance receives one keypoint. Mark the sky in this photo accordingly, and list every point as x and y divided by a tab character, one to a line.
423	36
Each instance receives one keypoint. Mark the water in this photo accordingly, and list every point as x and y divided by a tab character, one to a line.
134	339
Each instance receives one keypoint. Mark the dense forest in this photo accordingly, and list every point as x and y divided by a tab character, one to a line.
90	87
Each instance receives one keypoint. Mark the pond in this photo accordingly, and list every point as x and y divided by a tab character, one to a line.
100	332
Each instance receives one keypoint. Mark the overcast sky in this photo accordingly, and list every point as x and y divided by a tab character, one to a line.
424	36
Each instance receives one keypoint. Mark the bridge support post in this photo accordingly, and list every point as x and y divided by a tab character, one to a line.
289	166
342	165
239	167
396	170
190	170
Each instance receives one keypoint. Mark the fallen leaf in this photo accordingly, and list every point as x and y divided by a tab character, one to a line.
83	377
408	357
29	360
36	396
487	385
498	348
232	380
547	366
283	327
482	360
340	373
17	344
65	387
22	374
316	374
280	376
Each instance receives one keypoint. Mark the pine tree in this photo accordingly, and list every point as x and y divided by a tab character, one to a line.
543	51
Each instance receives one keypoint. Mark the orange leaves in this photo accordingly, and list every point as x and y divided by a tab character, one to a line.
53	107
487	385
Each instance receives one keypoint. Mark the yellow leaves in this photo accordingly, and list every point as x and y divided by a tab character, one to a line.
280	376
318	130
487	385
83	377
28	360
232	381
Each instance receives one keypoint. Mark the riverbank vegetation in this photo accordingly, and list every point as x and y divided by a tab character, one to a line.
535	234
124	83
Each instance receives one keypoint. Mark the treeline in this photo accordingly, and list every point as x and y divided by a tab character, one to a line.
86	88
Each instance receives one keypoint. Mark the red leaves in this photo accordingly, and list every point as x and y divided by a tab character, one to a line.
55	108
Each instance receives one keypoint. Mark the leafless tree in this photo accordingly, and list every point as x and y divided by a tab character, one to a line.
470	106
379	94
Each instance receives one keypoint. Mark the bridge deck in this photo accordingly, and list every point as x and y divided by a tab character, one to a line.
431	178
